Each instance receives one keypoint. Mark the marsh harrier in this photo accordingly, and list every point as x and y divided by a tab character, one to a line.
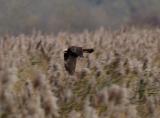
71	55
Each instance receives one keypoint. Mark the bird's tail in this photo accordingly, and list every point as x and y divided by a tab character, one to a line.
88	50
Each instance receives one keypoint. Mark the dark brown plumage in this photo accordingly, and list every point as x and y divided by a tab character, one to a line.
70	57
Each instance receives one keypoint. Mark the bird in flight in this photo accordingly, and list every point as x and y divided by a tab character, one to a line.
71	55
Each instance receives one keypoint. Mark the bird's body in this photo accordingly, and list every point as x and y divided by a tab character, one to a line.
71	55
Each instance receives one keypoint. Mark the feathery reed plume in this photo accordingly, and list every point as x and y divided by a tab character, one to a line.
121	78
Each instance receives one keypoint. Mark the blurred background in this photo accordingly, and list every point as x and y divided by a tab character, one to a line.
24	16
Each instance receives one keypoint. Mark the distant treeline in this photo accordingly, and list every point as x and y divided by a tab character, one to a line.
18	16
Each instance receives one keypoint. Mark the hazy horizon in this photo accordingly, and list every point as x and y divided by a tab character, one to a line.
21	16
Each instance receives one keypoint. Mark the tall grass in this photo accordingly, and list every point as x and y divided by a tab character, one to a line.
121	79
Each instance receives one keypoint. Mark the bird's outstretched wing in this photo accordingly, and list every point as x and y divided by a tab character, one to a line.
70	64
88	50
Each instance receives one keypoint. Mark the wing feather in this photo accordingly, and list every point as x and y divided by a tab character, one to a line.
70	64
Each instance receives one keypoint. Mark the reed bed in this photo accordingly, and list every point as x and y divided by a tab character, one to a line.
121	79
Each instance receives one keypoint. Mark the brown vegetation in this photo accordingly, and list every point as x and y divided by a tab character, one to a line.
121	79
